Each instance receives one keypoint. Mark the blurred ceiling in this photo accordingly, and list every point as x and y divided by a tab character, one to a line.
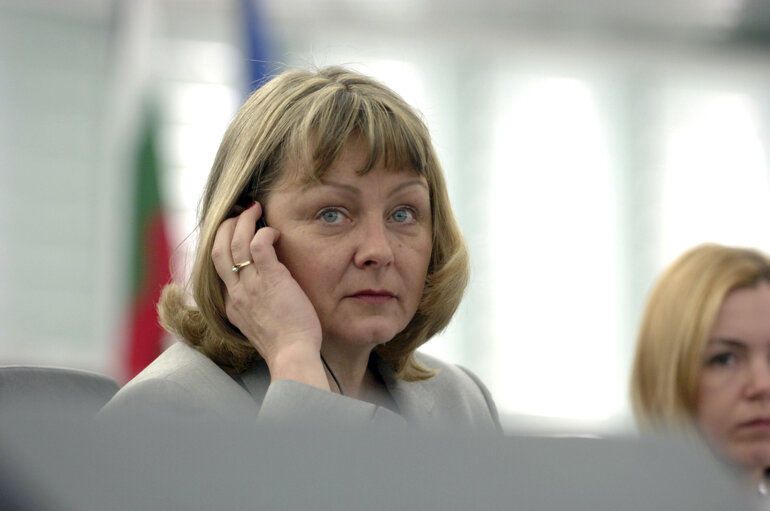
736	23
701	20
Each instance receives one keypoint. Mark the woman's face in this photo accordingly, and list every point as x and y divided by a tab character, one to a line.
733	407
359	246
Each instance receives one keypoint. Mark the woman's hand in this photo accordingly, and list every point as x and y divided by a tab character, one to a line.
265	302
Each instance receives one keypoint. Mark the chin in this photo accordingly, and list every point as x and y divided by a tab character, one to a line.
370	333
377	337
754	456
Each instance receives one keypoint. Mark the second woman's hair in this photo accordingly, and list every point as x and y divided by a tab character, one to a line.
675	328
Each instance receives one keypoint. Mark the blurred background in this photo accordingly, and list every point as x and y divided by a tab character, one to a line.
586	144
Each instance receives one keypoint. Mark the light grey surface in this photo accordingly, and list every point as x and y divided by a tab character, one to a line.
54	387
179	463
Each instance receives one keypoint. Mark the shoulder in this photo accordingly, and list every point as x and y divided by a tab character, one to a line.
458	393
184	365
451	377
181	380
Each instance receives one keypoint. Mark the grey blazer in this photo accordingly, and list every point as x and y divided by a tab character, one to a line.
184	381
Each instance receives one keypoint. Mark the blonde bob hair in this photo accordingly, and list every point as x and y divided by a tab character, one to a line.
301	120
675	329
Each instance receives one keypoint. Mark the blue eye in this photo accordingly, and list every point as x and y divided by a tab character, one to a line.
331	216
403	215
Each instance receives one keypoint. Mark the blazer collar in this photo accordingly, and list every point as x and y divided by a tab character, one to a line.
415	403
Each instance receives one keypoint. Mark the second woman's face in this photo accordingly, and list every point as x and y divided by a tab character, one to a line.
359	246
733	407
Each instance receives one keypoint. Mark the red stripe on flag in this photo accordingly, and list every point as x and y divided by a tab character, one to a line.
145	341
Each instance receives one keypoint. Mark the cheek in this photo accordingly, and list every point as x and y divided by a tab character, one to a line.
416	260
417	279
295	257
315	267
419	254
716	400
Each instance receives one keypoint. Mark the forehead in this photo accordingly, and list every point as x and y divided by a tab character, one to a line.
745	311
747	301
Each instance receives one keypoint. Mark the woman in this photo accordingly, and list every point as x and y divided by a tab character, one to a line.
318	314
703	355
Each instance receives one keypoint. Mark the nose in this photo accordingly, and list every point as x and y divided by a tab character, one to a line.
374	248
758	385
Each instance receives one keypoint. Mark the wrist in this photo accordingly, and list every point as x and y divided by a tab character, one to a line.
298	363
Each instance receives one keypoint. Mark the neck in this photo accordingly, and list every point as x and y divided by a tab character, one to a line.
350	369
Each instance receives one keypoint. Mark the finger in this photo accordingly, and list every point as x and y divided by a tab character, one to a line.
244	232
221	254
262	249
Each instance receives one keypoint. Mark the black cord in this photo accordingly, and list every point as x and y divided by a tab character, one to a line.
332	373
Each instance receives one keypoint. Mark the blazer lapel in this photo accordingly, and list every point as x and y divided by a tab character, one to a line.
414	402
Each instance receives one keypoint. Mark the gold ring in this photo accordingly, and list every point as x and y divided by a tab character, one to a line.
237	267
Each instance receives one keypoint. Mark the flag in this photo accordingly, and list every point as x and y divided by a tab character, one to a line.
257	47
149	252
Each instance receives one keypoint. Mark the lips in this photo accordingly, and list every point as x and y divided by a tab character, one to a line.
759	425
373	296
759	421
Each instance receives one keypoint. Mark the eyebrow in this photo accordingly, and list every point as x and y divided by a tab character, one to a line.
356	191
726	340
